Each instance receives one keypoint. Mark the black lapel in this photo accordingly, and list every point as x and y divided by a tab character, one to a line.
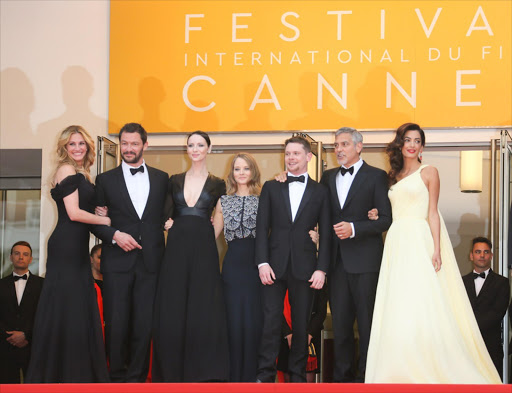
361	175
12	292
472	290
124	190
488	283
286	197
308	192
334	189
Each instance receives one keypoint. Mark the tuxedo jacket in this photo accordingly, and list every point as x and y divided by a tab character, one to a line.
18	317
369	189
489	307
111	191
280	240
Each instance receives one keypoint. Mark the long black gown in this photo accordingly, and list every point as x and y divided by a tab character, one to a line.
67	344
242	286
190	342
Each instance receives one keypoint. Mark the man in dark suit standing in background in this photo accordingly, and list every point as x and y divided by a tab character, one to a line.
287	258
489	294
355	188
134	195
19	295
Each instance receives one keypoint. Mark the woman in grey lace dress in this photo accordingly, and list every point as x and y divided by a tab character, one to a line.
236	214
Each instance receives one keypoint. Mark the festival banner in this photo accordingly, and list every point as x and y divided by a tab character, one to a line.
179	66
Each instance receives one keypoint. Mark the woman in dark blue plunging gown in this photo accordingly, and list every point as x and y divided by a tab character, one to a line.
190	342
236	214
67	343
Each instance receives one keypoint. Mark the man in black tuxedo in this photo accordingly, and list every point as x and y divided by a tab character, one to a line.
354	188
287	258
19	295
489	294
133	247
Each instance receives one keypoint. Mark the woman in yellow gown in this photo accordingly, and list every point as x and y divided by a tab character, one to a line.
423	329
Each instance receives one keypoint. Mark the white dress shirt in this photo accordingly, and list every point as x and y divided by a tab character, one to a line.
479	281
20	285
343	184
138	186
296	192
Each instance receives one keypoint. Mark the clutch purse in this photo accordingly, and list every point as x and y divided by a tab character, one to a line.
311	350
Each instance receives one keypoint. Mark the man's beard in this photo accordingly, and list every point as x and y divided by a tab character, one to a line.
133	160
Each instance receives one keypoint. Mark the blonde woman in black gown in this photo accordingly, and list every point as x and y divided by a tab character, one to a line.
67	342
236	215
190	342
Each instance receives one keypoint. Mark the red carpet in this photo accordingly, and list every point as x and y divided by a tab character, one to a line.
251	388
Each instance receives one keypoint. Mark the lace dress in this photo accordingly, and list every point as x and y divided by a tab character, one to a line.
241	286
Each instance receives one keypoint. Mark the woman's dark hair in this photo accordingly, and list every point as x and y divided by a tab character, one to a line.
394	149
202	134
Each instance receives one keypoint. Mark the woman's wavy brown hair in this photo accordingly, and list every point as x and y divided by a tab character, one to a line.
394	149
63	157
254	183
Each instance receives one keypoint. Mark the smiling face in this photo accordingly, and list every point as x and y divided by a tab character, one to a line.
197	148
77	148
296	158
132	148
347	152
241	172
412	144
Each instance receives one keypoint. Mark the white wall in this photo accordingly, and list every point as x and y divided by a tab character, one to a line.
54	72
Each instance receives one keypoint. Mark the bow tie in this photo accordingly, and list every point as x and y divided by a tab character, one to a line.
476	275
291	179
135	170
345	170
24	277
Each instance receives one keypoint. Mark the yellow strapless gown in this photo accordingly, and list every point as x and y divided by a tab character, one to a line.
424	329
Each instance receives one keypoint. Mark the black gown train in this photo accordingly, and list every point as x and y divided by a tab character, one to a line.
67	343
190	342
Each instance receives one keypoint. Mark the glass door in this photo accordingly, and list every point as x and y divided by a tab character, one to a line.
504	231
108	157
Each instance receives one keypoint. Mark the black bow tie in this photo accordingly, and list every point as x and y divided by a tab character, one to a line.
300	178
24	277
476	275
345	170
135	170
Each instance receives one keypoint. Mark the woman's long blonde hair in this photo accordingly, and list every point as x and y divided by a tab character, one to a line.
254	183
63	157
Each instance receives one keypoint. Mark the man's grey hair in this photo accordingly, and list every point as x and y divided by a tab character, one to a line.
357	137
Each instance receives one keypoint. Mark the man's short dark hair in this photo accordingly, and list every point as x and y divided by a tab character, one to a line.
481	239
95	249
134	127
298	139
21	243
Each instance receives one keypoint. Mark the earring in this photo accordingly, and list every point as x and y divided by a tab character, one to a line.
420	157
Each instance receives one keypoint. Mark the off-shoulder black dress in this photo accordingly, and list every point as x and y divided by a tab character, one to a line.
67	345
